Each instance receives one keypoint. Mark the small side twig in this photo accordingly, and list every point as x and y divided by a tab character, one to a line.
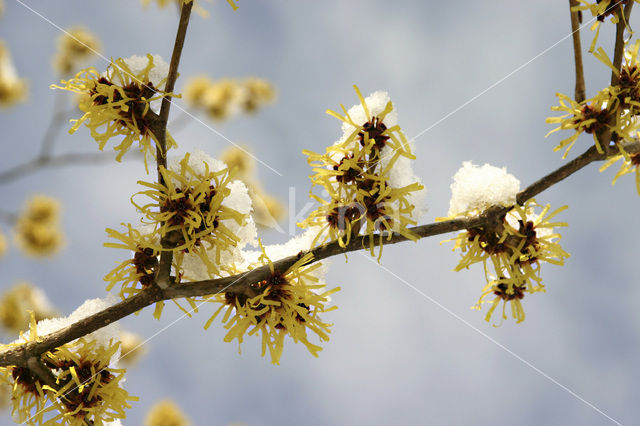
577	52
618	53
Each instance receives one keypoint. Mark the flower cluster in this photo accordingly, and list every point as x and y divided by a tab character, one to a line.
597	116
512	247
12	88
612	113
75	384
120	102
367	175
192	208
602	9
37	230
226	97
286	303
75	46
515	248
198	212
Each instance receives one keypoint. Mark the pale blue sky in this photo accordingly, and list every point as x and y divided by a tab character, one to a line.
396	355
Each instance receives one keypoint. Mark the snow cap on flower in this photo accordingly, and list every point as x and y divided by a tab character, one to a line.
238	198
402	175
198	161
137	65
476	188
376	104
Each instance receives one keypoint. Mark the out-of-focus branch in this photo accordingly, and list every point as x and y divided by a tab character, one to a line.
8	217
241	283
74	158
45	158
55	124
577	52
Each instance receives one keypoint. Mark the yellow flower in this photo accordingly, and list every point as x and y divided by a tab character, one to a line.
191	209
138	272
367	175
630	163
86	389
628	87
119	102
594	116
285	304
166	413
515	250
76	45
27	398
12	88
18	301
600	10
507	293
196	89
5	394
37	230
239	161
256	92
133	348
42	209
232	3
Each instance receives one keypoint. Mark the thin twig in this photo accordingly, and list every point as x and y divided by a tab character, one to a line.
604	137
618	51
160	131
242	282
577	52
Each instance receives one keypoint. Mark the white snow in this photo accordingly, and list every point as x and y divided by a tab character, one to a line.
476	188
157	74
376	103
